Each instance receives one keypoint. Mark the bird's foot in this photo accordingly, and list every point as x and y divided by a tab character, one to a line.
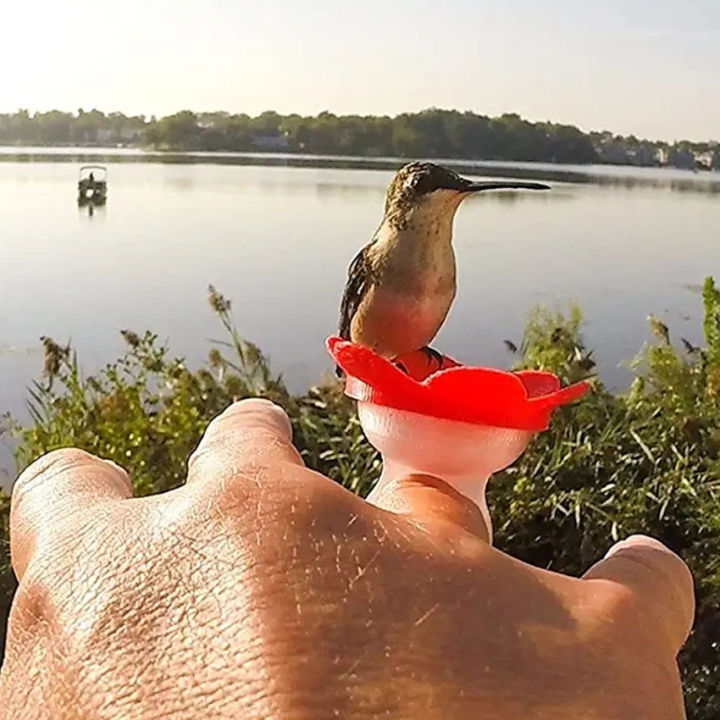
420	364
433	355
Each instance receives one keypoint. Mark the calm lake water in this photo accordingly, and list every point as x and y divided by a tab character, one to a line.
277	241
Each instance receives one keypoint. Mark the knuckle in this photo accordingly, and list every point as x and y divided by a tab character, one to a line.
652	593
48	466
661	569
118	469
249	414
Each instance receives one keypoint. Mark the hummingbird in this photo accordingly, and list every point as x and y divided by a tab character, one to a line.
401	285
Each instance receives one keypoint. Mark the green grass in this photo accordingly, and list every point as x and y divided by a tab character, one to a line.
646	461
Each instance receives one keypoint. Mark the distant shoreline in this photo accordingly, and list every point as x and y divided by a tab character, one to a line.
145	151
432	132
582	173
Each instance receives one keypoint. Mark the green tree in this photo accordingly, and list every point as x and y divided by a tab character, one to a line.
87	126
54	127
178	131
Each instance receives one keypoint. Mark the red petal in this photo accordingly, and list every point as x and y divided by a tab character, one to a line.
483	396
493	397
538	383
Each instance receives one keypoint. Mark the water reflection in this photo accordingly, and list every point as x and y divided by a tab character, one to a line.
349	191
90	210
183	184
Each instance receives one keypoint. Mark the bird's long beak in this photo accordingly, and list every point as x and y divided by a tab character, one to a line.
493	185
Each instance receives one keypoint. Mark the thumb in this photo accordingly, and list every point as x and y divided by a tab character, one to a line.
431	502
659	580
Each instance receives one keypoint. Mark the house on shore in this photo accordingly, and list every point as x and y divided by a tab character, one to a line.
270	142
680	159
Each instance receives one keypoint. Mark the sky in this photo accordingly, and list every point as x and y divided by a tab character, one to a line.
648	67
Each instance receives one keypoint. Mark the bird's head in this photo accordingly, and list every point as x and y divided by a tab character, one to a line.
423	188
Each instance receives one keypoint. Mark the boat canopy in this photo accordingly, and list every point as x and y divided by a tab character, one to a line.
85	170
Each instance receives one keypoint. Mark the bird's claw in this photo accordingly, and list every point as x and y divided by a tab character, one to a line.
433	354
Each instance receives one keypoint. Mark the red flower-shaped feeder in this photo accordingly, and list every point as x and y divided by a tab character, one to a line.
446	389
437	417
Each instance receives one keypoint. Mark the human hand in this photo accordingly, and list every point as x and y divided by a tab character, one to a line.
261	589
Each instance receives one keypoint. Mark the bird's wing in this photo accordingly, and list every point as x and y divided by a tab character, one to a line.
358	282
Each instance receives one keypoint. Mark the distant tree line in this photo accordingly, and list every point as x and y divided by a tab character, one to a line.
56	128
430	133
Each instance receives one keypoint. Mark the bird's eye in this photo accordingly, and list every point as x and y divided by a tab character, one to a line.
411	182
